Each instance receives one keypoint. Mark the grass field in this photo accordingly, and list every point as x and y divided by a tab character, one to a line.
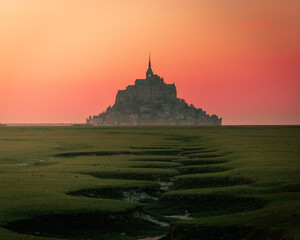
230	182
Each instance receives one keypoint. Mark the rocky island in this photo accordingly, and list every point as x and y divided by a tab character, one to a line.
151	101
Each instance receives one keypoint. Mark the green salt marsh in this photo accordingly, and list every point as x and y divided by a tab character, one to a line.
229	182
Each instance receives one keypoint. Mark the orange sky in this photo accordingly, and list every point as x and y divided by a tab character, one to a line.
63	60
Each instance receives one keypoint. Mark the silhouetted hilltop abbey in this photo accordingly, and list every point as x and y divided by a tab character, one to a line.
152	102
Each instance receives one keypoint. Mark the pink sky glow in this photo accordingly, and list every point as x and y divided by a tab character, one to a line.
62	61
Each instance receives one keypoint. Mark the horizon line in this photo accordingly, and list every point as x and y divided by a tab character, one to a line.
82	123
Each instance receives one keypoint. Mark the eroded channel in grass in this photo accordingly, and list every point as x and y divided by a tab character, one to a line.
135	194
201	182
95	153
191	162
201	169
204	205
89	226
134	174
157	209
180	232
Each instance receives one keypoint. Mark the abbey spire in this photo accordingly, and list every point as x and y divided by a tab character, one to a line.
149	72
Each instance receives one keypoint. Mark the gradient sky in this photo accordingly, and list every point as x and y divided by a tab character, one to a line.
63	60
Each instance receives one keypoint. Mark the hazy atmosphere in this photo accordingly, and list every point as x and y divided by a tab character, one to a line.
64	60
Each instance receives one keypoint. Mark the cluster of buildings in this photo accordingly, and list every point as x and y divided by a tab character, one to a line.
151	101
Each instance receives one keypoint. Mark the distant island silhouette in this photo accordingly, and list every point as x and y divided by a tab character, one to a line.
151	101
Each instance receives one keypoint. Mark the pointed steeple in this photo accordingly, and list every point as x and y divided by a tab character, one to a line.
149	72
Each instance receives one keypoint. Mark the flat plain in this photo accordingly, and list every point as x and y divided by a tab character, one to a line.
229	182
